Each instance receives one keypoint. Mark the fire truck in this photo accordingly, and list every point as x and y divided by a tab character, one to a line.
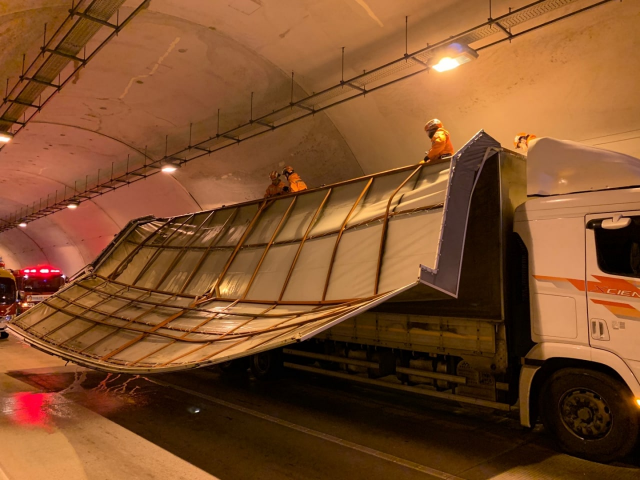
8	299
39	283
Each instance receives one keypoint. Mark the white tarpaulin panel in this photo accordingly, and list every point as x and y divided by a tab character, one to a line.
203	288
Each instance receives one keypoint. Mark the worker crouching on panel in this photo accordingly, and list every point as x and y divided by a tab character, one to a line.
521	142
295	182
441	146
277	186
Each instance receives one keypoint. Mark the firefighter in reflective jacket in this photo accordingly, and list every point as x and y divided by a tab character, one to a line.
277	186
441	147
295	182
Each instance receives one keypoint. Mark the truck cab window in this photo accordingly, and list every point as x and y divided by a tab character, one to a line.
7	291
619	250
43	285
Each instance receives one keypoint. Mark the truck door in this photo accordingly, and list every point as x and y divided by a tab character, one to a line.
613	282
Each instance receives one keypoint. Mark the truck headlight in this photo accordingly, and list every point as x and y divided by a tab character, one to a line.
8	317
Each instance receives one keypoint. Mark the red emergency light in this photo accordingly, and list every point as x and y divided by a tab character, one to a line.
44	270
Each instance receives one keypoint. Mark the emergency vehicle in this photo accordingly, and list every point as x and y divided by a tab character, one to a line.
39	283
8	300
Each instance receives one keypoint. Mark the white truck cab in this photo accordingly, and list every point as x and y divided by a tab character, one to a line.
582	234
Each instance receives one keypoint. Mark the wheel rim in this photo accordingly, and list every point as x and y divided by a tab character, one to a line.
586	414
262	362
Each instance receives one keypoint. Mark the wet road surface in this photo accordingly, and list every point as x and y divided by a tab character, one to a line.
200	424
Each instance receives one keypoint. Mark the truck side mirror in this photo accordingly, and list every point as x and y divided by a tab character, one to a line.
21	295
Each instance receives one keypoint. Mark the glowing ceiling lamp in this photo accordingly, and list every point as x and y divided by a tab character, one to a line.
72	205
453	56
446	63
5	137
22	224
170	165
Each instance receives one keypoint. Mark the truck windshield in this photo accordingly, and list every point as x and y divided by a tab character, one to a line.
42	285
7	291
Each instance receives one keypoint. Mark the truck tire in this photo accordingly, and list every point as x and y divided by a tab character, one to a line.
591	414
4	335
267	365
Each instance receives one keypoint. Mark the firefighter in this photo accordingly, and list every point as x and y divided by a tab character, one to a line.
277	186
521	142
441	147
295	182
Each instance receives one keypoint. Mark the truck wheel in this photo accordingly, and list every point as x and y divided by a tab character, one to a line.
267	365
4	335
591	414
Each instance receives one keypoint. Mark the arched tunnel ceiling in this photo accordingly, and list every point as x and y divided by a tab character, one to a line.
177	63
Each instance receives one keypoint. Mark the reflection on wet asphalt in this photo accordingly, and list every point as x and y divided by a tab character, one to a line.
29	409
207	420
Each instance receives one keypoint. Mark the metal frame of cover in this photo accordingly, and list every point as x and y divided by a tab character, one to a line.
204	288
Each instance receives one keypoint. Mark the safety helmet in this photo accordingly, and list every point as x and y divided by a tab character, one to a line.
273	175
287	171
433	124
523	136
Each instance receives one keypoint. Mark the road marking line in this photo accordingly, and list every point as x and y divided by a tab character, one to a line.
329	438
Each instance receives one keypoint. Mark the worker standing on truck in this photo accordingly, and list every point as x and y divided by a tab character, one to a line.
521	142
295	182
277	186
441	146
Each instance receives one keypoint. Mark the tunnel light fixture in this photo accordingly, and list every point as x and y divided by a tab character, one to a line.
170	165
638	401
446	63
6	137
22	224
453	56
72	205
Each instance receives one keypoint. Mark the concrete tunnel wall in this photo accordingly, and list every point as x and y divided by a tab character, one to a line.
175	65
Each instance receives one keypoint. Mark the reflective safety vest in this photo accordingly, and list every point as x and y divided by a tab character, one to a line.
440	145
274	190
295	183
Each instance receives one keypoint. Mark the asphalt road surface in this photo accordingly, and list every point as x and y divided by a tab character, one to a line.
62	421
